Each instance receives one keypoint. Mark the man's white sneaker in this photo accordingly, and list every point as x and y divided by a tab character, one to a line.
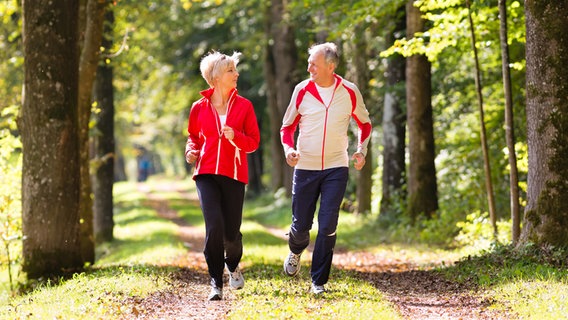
215	294
236	279
317	289
292	264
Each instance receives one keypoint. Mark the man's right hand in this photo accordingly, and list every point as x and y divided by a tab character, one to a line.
292	157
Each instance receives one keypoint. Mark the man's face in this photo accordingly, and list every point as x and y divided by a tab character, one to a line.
320	71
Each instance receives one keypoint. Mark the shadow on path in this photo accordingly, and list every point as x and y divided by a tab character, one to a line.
415	292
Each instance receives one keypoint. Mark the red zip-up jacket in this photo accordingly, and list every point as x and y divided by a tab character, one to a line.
217	154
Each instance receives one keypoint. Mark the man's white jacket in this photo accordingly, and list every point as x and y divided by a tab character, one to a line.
322	140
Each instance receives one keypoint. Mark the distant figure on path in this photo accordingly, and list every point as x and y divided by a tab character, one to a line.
222	130
321	107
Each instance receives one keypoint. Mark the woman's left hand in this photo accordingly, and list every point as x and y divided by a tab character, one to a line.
228	132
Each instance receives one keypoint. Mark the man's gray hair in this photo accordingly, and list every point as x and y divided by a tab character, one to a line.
329	50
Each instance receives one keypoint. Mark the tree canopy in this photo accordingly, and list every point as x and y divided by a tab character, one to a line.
157	47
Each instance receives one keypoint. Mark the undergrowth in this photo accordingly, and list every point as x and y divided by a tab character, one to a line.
532	279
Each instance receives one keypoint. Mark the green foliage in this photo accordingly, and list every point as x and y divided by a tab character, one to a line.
10	206
476	231
271	210
11	55
447	43
158	77
503	263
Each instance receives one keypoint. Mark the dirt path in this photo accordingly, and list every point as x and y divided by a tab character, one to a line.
418	294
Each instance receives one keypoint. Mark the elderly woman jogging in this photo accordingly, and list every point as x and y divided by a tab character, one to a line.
222	130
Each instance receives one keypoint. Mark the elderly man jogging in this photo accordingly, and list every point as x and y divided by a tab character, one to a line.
321	107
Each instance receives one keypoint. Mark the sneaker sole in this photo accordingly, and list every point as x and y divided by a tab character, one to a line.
215	298
237	287
291	274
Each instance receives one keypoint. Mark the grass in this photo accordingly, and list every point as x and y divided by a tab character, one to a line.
97	293
135	265
132	265
271	295
531	281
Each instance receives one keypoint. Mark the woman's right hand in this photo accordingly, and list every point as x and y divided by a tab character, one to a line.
191	156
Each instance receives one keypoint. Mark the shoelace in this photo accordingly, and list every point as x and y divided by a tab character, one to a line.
235	275
293	260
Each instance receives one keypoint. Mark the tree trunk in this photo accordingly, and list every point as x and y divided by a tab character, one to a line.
87	70
546	213
48	125
103	178
358	72
483	135
281	63
255	173
422	188
394	130
120	166
509	125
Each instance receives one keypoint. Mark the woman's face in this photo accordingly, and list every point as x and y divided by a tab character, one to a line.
228	77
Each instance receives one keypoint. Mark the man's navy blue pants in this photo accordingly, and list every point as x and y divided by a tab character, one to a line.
308	186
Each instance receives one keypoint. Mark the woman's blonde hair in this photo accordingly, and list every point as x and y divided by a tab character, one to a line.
215	62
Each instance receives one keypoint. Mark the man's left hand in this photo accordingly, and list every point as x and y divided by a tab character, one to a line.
359	159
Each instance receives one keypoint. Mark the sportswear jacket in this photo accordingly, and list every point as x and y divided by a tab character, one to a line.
322	141
217	154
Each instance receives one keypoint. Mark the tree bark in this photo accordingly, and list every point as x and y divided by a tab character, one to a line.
87	69
281	77
394	129
483	135
546	213
358	72
103	179
422	186
509	125
48	125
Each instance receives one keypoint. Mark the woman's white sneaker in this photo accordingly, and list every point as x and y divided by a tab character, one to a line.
236	279
215	294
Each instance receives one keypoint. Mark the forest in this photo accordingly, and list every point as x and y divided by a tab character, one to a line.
466	98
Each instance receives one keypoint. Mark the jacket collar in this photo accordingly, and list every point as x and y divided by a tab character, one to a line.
311	86
207	93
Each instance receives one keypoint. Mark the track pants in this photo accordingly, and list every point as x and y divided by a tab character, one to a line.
221	200
308	186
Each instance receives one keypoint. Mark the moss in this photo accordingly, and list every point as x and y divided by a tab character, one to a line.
52	264
550	217
533	217
553	211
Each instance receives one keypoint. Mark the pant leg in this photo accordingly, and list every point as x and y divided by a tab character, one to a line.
305	193
210	199
333	187
232	203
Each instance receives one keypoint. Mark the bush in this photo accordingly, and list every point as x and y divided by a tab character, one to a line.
10	204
